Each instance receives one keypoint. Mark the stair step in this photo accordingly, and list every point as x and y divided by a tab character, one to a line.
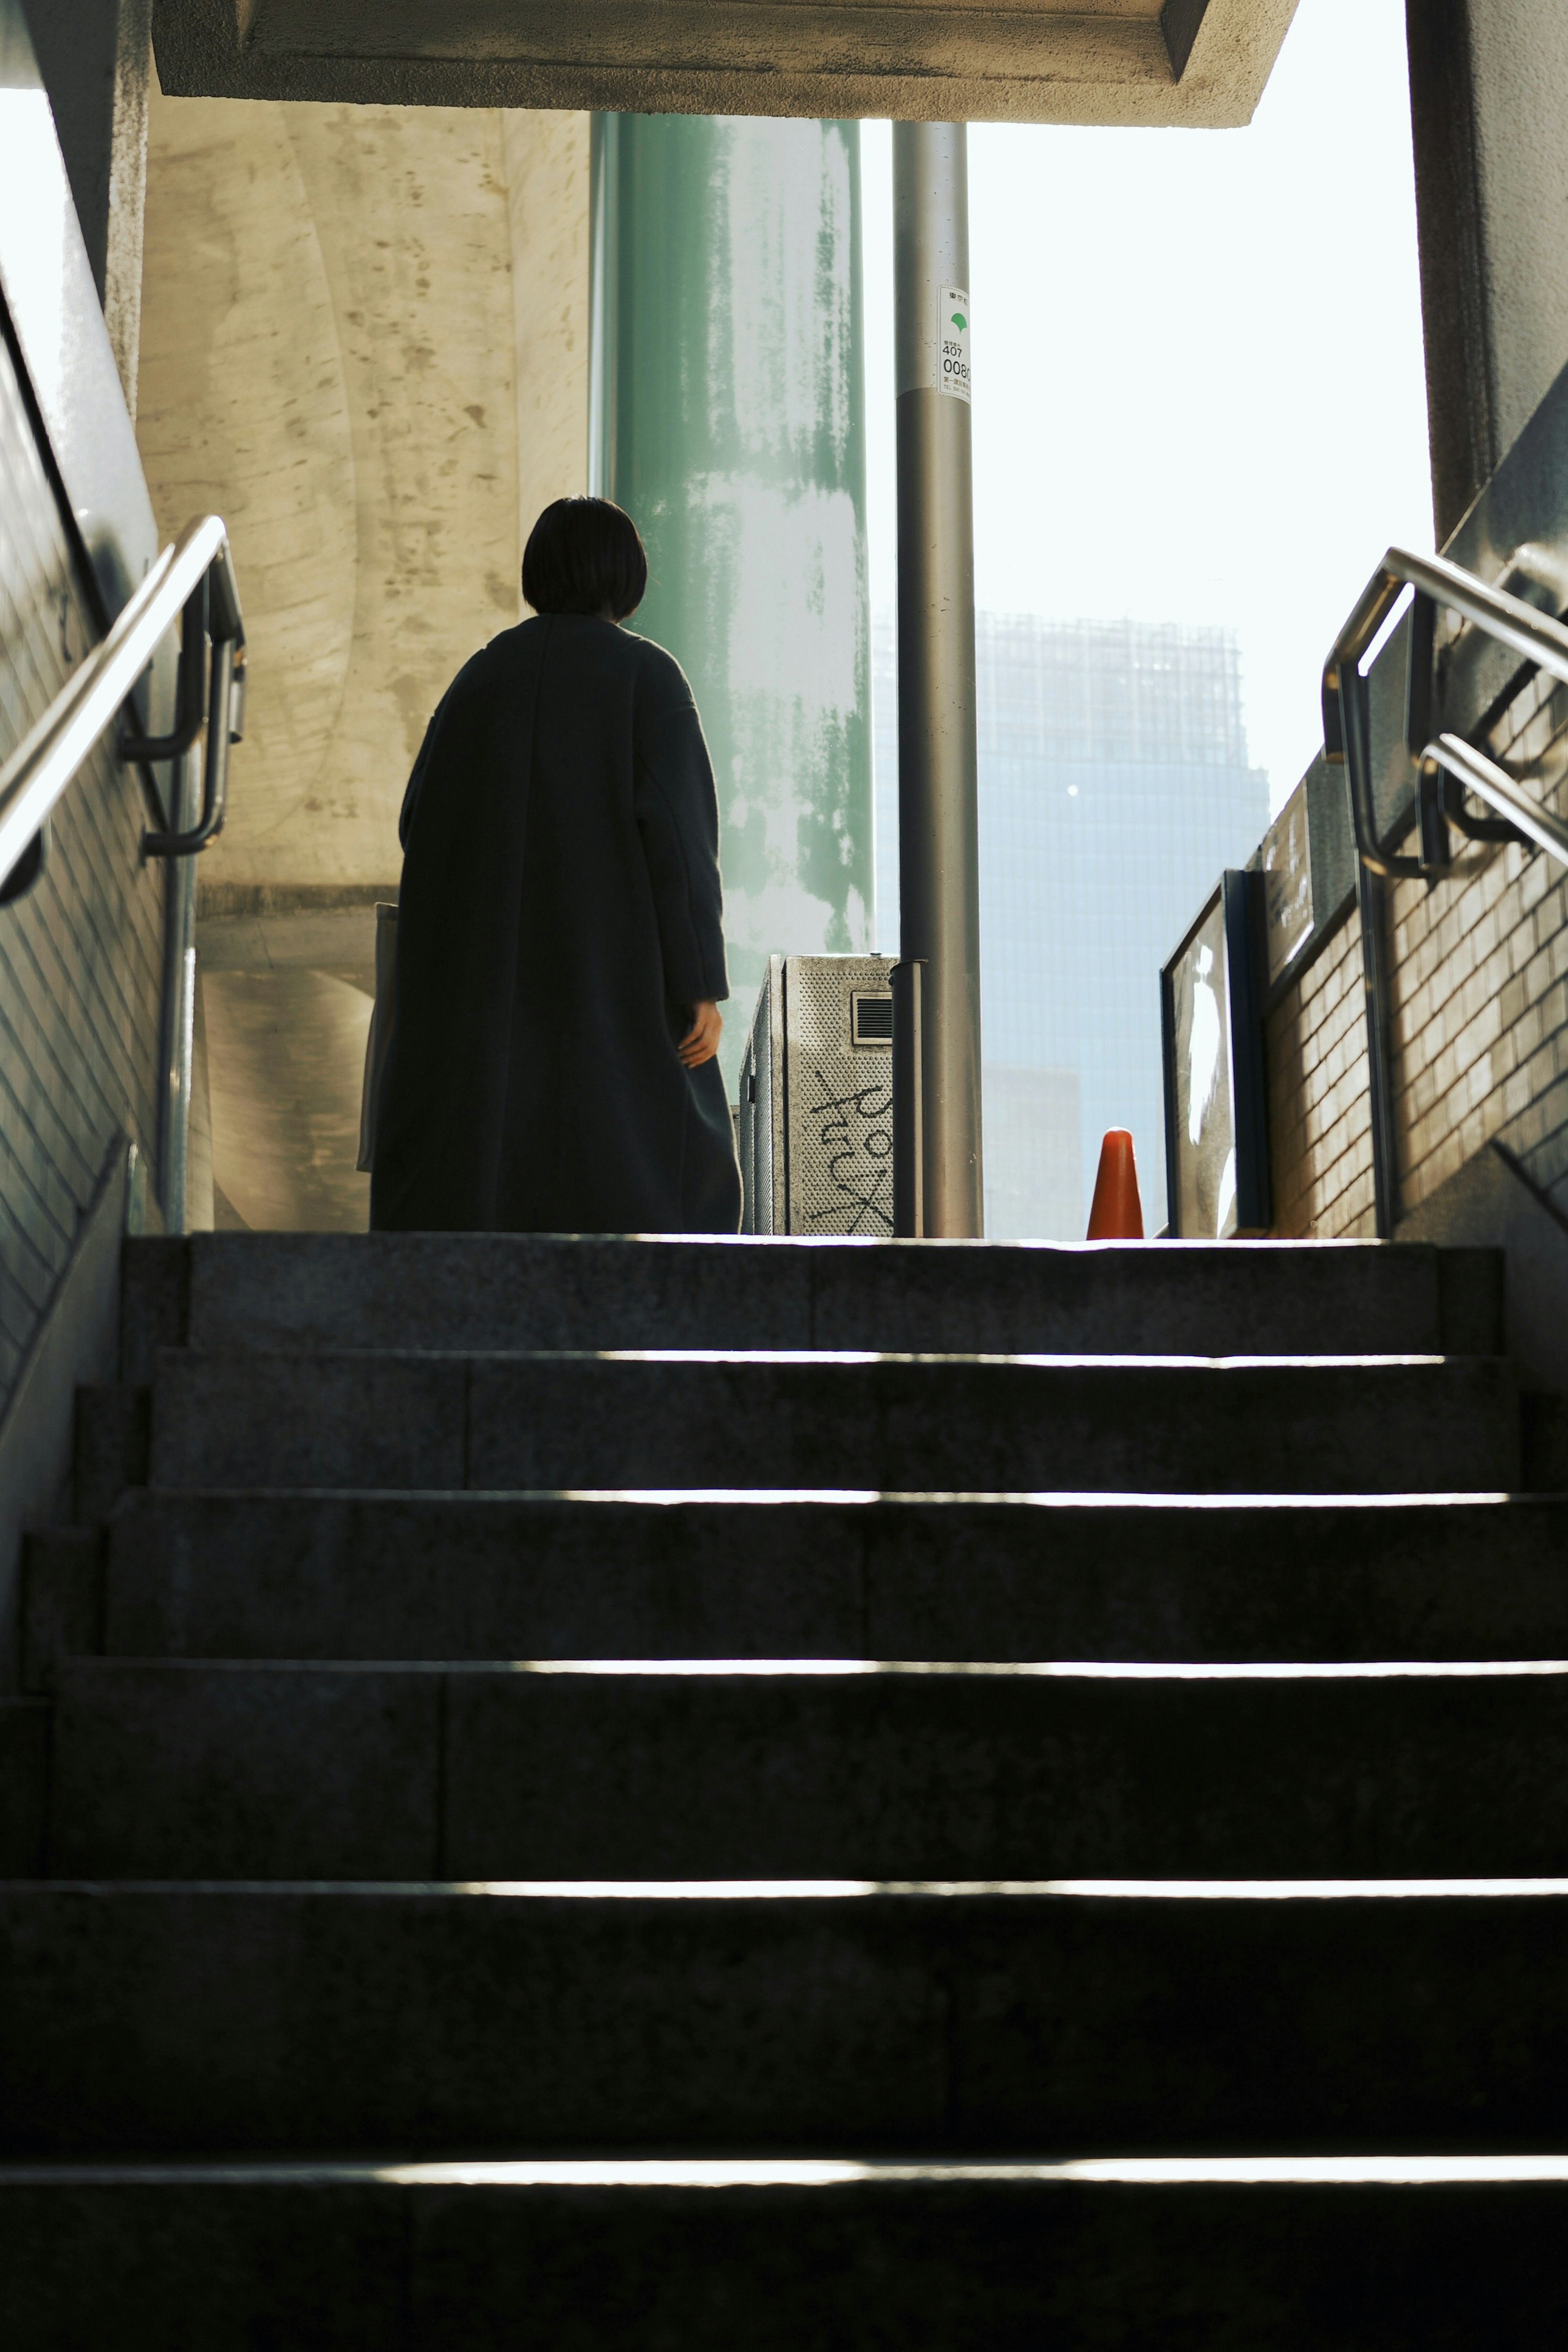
286	1771
899	1424
677	2256
480	1292
312	1575
24	1781
467	2020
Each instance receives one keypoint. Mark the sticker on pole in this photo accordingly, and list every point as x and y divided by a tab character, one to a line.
953	342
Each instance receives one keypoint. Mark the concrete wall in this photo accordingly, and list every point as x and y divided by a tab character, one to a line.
1520	63
1135	62
365	342
96	58
1489	80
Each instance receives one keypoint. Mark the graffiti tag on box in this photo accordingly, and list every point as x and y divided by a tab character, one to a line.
855	1130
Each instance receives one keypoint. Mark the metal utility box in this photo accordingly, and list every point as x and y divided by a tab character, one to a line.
815	1116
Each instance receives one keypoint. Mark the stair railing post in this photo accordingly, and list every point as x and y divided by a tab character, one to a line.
179	1007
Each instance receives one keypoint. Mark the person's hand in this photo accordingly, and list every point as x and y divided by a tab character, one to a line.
700	1043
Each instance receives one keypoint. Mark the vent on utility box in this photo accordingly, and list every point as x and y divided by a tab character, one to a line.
870	1019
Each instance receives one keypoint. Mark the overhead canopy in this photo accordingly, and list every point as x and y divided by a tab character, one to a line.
1201	63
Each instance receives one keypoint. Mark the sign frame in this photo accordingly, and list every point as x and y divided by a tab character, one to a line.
1234	918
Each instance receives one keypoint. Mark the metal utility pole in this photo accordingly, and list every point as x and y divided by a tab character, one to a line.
938	830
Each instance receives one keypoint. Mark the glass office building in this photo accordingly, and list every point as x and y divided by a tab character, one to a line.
1114	789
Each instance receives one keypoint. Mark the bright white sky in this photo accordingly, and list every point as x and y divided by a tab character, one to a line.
1198	388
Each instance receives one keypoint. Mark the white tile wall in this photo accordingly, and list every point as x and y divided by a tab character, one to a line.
81	957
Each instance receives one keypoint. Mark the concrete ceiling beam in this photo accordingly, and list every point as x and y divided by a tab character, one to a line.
1201	64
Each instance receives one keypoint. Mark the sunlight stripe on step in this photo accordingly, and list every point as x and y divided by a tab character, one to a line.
808	2172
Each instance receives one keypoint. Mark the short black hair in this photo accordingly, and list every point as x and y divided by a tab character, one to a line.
585	555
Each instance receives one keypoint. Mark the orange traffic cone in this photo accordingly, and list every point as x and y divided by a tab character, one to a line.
1117	1214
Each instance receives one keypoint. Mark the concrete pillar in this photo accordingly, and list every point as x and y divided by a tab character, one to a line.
1488	89
96	57
365	344
726	414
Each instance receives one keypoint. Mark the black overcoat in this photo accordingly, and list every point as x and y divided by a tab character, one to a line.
560	914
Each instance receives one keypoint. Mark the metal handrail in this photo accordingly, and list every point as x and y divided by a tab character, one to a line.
45	762
1451	755
1537	638
1347	726
189	688
226	693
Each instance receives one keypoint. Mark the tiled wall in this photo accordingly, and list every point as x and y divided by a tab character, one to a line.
1320	1130
1478	977
1481	984
81	957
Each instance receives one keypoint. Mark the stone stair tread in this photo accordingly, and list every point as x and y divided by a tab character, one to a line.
399	2256
1180	2018
392	1289
432	1422
791	1768
323	1574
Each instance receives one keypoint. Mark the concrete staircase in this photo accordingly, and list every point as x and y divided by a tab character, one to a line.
687	1796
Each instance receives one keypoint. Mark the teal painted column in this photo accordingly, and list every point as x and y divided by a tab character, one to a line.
727	417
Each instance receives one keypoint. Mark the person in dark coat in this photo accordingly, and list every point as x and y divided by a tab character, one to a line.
560	948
